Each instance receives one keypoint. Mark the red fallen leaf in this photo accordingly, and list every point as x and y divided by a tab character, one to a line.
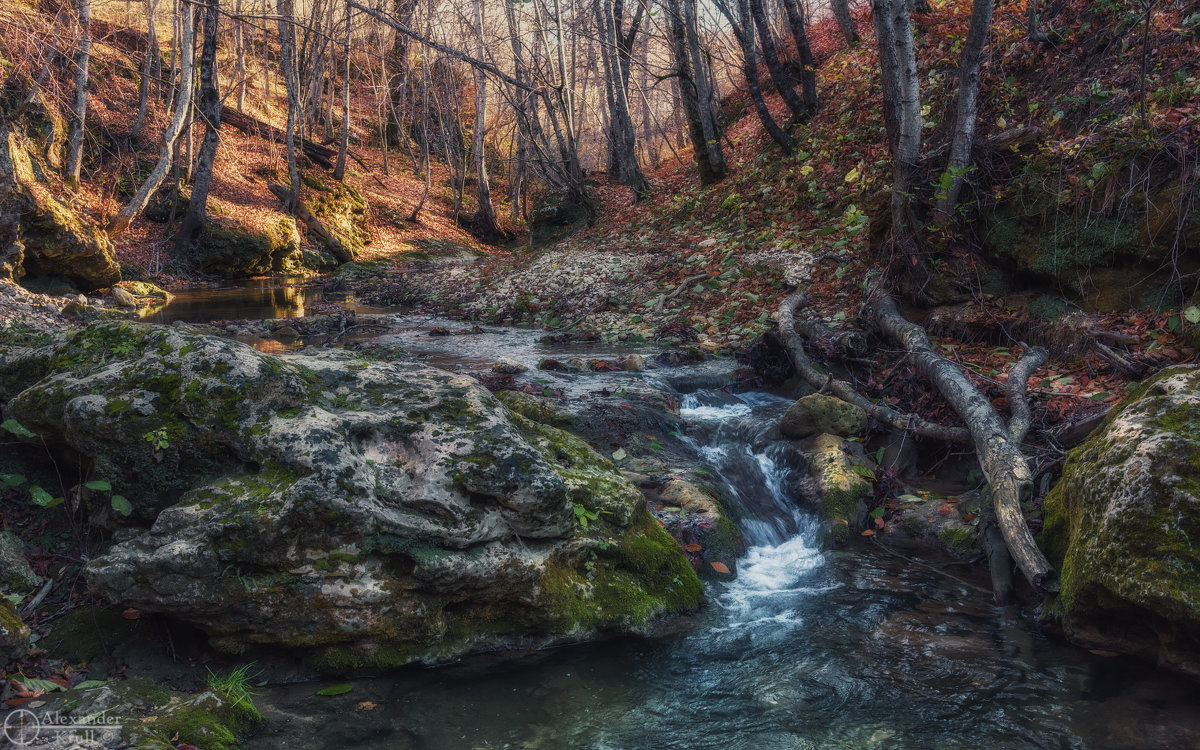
60	681
132	614
879	523
17	701
693	547
952	499
720	567
970	517
945	510
869	532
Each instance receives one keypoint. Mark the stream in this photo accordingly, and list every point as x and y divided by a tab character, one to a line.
807	648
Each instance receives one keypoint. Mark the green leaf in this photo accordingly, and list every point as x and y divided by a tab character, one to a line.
15	428
40	497
342	689
12	480
121	505
654	444
863	471
911	499
878	512
1192	314
619	454
99	485
46	686
1173	323
87	684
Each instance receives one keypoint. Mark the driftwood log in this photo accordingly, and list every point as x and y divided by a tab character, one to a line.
1009	478
335	246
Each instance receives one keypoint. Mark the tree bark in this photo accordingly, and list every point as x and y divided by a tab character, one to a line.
743	32
148	69
210	111
968	108
808	65
694	94
79	107
843	390
183	101
1001	460
339	171
622	141
485	214
287	19
239	44
841	12
783	82
902	111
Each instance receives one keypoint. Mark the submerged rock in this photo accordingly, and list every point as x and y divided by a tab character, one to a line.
376	512
843	491
1123	524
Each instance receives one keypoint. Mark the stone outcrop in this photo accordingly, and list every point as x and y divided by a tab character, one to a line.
372	512
817	413
40	235
1123	524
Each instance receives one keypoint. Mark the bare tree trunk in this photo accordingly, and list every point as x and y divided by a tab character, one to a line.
968	108
841	12
783	82
397	61
808	65
694	92
902	108
521	100
339	171
239	43
183	102
622	140
287	43
79	108
210	111
743	31
485	214
148	69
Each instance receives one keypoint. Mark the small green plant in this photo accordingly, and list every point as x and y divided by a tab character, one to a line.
158	439
118	503
584	515
238	687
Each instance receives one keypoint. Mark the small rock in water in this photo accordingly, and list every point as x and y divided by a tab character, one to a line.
635	363
577	364
439	331
552	364
286	332
506	366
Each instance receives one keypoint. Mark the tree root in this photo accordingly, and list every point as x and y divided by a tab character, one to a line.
1003	464
843	390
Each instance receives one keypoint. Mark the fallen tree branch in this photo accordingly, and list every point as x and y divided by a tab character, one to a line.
322	155
662	298
1003	464
843	390
1018	403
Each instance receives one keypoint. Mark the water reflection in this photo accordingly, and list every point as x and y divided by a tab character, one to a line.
251	299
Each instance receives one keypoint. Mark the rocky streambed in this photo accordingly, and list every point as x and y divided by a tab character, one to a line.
346	511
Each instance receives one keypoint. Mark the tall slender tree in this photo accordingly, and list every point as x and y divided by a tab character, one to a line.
967	113
615	48
183	101
79	107
210	113
694	93
485	214
743	31
291	82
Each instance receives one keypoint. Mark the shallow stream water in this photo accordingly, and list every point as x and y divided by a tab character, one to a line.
807	648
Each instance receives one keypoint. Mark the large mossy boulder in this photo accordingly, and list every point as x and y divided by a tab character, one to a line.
343	213
233	251
41	235
1123	524
373	512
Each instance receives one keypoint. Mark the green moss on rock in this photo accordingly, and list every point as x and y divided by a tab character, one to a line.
1123	522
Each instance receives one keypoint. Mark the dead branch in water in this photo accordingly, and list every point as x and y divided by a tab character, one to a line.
1003	463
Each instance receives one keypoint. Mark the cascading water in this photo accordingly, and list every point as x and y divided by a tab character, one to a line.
804	649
